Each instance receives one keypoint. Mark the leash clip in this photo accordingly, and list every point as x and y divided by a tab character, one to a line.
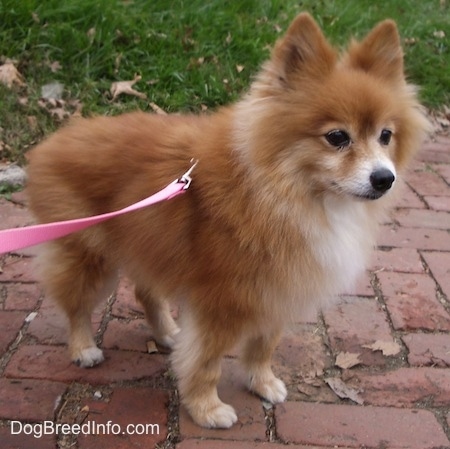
186	178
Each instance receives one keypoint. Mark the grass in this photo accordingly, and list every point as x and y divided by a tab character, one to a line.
191	54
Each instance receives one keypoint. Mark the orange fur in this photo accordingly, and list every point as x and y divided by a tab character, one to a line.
271	225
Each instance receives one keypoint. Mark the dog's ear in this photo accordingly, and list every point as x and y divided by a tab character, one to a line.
303	50
380	53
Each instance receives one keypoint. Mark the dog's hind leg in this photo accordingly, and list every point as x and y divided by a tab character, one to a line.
157	312
78	280
256	357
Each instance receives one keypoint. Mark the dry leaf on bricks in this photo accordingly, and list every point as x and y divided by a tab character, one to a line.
9	75
308	390
126	87
386	347
346	360
342	390
151	347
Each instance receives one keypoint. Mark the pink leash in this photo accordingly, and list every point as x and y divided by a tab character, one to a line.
18	238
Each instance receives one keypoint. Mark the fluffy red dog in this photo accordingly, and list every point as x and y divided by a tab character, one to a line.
281	215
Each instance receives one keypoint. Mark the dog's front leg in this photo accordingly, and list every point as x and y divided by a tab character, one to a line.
256	357
196	359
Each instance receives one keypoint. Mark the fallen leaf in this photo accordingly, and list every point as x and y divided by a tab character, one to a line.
32	122
126	87
386	347
77	105
342	390
55	66
55	107
42	103
59	113
9	75
313	381
157	109
3	147
307	390
117	62
277	28
239	68
23	101
91	34
151	347
346	360
410	40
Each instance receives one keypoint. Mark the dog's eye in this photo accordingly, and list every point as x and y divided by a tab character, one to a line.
385	136
338	138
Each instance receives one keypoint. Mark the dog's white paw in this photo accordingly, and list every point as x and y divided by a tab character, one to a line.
88	357
269	388
221	416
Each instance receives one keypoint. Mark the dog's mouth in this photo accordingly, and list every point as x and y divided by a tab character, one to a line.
361	195
370	196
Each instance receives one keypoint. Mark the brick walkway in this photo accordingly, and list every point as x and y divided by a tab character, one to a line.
385	349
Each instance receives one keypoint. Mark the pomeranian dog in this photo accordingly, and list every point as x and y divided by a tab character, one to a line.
282	212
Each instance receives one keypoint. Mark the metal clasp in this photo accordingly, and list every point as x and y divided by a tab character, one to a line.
186	178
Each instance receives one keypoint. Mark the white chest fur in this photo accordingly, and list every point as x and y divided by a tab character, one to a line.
344	245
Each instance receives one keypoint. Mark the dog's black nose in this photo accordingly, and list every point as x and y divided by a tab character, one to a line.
382	179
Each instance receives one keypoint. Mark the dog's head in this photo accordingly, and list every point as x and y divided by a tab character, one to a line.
332	123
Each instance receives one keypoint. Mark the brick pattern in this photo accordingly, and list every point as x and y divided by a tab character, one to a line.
394	328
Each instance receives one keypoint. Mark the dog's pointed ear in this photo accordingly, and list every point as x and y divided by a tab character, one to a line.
380	53
303	50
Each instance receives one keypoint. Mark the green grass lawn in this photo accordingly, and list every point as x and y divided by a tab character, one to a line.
191	55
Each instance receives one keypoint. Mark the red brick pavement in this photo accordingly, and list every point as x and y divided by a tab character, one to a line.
395	327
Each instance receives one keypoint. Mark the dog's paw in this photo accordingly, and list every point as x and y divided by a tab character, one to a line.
221	416
270	388
88	357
